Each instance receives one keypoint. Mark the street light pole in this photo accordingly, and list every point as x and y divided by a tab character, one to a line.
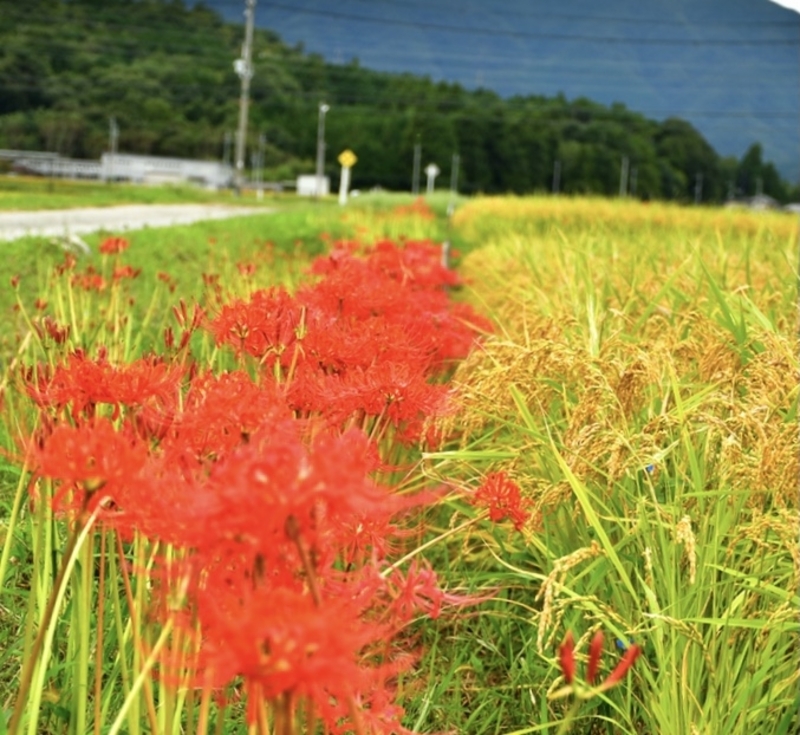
244	69
113	139
323	108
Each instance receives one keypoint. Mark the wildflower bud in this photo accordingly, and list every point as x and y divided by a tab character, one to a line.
566	657
625	663
595	651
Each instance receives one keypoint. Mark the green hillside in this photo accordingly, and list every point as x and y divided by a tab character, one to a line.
165	72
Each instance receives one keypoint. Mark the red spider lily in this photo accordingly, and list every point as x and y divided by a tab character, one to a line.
280	642
417	591
567	661
264	327
632	652
52	329
82	383
279	527
595	650
418	261
167	278
125	271
246	269
501	495
418	208
566	657
113	245
86	459
220	413
392	392
250	495
89	281
68	264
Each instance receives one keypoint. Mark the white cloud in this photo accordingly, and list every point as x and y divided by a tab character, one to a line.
791	4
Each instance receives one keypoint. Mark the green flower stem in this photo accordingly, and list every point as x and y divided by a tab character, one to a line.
44	637
12	524
566	723
98	661
419	549
141	679
82	623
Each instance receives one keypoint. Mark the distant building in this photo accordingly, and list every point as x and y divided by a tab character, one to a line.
760	202
160	170
123	167
55	166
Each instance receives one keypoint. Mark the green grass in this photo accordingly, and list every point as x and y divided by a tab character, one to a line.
280	243
29	193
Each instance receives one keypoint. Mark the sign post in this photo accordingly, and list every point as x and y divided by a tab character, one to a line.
431	171
347	159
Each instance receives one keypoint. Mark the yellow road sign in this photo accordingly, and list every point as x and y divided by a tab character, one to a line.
347	158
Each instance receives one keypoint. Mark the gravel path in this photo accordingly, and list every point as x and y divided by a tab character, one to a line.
53	223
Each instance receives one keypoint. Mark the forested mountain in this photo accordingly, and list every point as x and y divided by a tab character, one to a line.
165	72
730	67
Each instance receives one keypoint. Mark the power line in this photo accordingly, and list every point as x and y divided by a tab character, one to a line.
496	32
546	16
786	41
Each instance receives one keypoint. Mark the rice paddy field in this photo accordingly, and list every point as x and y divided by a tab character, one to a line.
290	474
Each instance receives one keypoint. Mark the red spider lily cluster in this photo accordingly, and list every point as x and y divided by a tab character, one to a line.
418	208
263	481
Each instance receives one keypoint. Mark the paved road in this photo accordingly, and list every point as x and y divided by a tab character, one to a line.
52	223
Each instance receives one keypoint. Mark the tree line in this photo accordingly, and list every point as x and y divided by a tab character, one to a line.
164	71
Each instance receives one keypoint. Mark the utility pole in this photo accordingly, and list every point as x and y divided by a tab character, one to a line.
226	148
556	177
454	174
415	172
113	134
262	142
244	69
698	187
623	176
323	109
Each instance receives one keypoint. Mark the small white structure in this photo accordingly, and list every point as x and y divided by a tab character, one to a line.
160	170
307	186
